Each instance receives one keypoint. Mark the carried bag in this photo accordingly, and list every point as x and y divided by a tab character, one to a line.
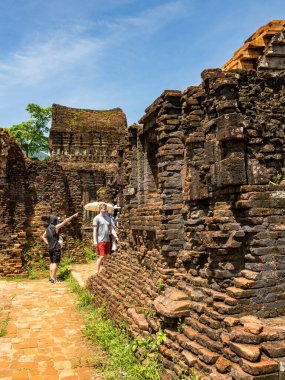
113	244
60	240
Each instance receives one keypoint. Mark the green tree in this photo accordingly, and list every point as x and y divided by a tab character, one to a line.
31	134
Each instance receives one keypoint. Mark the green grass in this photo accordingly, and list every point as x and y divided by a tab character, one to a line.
120	361
34	273
64	270
3	325
160	285
90	255
42	270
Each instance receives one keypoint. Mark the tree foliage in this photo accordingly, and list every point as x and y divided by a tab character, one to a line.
31	134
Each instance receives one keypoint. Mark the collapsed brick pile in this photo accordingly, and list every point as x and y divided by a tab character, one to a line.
203	225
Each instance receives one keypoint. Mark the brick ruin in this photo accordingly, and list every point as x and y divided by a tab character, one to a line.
203	226
200	183
86	144
262	50
84	148
12	205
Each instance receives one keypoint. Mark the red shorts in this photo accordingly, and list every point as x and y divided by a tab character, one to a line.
104	248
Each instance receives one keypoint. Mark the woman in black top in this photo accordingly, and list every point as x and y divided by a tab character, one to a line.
51	238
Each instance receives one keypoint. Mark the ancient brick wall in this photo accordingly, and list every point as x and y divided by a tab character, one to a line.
50	194
30	193
234	249
212	274
241	145
12	206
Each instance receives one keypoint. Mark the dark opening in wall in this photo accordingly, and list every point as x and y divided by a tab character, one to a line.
147	166
151	156
140	168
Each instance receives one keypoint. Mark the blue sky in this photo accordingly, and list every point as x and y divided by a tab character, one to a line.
101	54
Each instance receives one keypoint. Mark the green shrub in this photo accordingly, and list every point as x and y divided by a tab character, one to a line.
90	255
160	285
148	312
148	347
63	271
32	273
36	272
278	179
35	260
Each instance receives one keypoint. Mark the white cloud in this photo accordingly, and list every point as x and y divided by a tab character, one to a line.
34	63
157	17
79	50
148	21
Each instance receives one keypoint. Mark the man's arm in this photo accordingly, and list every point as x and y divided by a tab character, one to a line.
95	235
44	237
66	221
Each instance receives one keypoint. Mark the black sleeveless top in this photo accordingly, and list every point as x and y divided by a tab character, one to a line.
52	235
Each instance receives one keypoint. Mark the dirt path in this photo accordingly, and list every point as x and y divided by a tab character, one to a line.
44	339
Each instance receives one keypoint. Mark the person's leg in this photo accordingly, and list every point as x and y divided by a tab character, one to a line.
107	248
54	265
105	258
51	264
101	251
98	264
53	271
103	248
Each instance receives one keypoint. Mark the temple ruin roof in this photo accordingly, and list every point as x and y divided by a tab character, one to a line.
248	56
65	119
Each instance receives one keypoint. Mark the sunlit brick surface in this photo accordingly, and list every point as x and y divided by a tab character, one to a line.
44	338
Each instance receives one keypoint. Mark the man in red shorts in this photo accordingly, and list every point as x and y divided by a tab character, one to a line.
102	230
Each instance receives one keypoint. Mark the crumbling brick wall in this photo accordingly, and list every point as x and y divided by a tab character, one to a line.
205	259
234	249
12	206
49	193
30	192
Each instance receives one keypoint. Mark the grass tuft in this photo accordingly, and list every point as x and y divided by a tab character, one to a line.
90	255
4	321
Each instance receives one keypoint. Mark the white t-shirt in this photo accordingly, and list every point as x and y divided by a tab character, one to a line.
103	224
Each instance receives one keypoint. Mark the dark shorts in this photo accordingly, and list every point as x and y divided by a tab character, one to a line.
104	248
54	256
